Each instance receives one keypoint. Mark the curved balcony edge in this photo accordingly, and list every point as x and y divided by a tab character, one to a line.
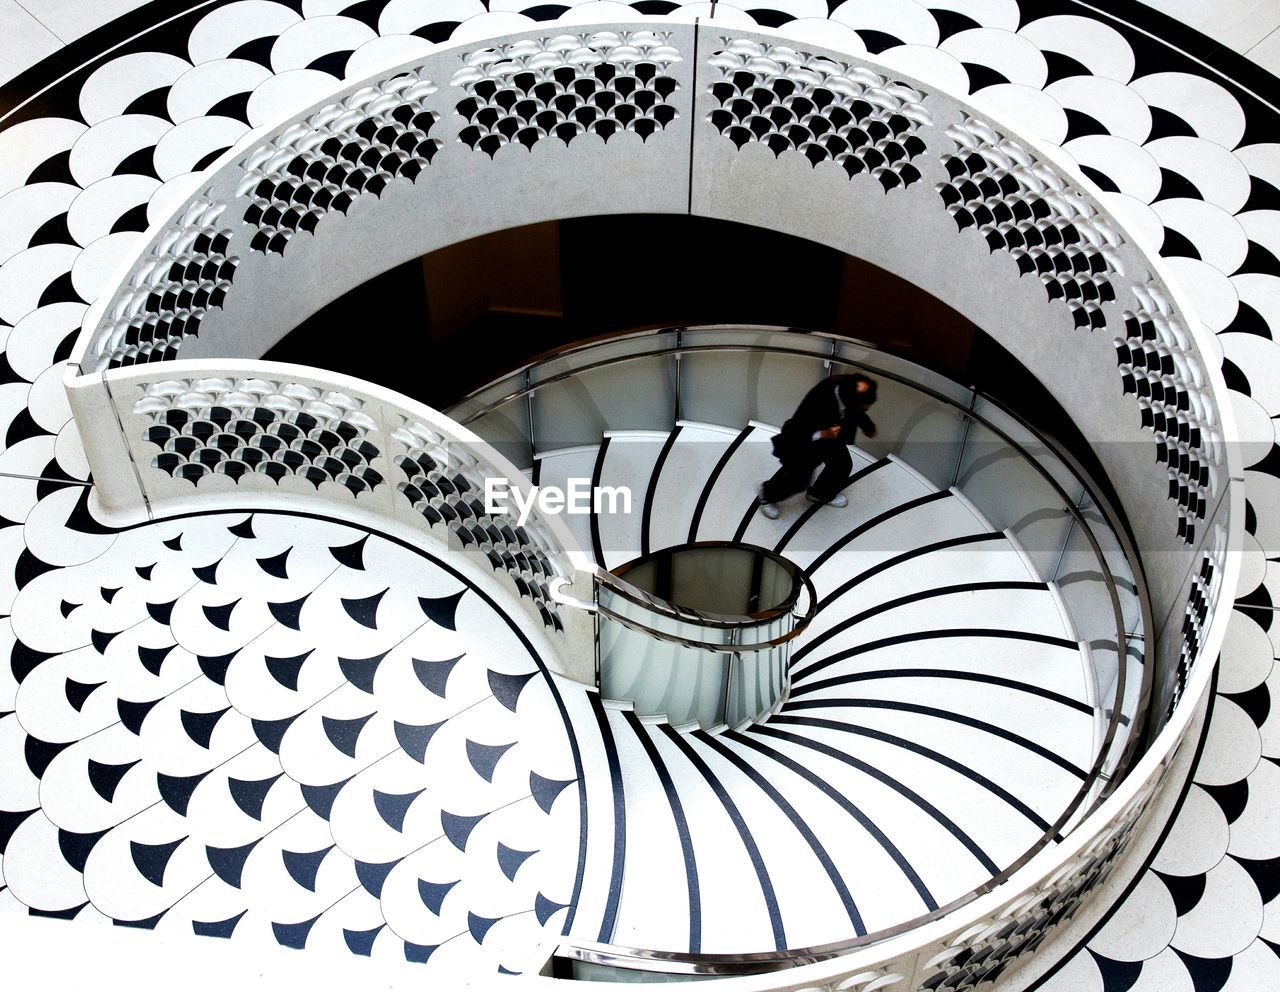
722	664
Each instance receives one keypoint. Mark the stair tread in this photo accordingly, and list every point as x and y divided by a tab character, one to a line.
556	469
654	911
1053	725
734	492
688	465
938	847
629	463
734	912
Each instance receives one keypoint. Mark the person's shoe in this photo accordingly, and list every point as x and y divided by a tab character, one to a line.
839	500
770	510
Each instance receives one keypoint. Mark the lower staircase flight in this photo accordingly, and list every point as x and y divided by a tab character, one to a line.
938	723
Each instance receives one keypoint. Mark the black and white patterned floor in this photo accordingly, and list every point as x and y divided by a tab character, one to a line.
285	729
1178	132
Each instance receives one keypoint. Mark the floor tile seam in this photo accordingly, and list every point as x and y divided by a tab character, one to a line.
1263	40
48	27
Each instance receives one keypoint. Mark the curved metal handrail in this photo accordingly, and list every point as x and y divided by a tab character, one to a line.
766	961
1114	519
1212	371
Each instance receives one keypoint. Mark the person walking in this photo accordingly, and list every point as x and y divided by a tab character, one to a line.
825	423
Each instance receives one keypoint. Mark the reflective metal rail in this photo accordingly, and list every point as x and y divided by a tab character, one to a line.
987	220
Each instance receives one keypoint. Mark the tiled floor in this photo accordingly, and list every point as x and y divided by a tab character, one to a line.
24	40
1267	52
1238	24
72	19
293	789
31	30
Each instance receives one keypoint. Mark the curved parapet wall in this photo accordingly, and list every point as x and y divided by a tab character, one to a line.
182	437
427	154
667	117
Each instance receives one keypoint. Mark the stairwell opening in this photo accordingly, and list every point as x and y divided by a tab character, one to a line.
728	613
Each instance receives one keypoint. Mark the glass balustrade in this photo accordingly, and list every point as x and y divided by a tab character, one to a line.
664	653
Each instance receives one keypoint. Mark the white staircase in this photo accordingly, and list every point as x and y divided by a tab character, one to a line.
937	724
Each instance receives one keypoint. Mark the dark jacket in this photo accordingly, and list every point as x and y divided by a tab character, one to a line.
832	401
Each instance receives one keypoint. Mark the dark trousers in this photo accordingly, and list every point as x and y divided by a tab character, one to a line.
797	469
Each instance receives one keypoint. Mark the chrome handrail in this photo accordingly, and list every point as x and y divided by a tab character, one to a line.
1115	520
757	962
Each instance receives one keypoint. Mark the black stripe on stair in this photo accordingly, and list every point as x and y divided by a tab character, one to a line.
797	821
744	834
912	636
647	516
597	473
609	919
944	673
807	513
875	521
925	752
897	786
896	560
712	479
682	829
867	824
940	714
916	597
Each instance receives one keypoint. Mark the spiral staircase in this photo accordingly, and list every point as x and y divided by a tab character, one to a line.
920	601
288	727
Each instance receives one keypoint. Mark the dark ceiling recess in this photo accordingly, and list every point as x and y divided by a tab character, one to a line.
459	317
440	326
372	332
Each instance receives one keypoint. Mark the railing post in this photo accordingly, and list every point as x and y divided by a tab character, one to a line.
735	661
964	438
679	399
1066	543
595	624
528	396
